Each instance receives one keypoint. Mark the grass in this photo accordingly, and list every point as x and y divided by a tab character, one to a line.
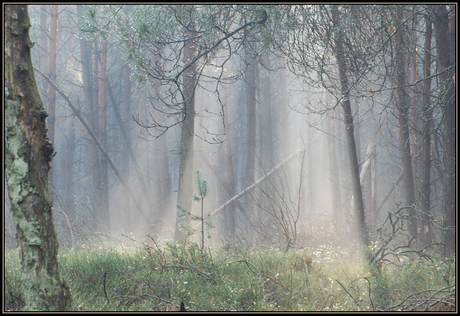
152	278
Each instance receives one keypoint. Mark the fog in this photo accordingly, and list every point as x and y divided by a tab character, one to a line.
299	131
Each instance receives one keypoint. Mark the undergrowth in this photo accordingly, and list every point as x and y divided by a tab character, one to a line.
158	277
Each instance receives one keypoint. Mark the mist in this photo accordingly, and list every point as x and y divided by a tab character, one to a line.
265	131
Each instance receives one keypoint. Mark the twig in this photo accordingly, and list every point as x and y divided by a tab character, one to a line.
348	293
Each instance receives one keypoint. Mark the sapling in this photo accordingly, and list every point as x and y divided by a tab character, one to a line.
203	190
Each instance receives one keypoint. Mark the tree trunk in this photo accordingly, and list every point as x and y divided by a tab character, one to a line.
94	152
28	155
230	212
251	117
127	147
349	131
43	61
185	189
86	50
104	178
51	105
425	187
403	105
334	169
445	39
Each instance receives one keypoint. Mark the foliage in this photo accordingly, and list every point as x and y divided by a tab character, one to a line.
154	277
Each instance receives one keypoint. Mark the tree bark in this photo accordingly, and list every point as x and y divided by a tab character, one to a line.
43	56
251	117
28	155
91	99
104	178
51	104
425	187
333	165
230	212
185	189
127	143
403	105
445	39
349	130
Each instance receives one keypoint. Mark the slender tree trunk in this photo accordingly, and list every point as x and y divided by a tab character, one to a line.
104	179
413	103
28	155
44	53
349	131
230	212
425	187
185	189
333	165
266	119
126	142
445	39
91	99
403	105
94	152
251	118
68	164
51	105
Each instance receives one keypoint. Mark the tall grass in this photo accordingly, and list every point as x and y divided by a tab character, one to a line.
153	277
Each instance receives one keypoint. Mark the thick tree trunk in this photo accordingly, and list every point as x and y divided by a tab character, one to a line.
28	155
349	131
445	39
403	105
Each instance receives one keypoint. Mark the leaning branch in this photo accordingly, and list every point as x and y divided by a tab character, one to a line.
255	184
99	145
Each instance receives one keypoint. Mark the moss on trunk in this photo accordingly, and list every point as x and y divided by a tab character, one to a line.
28	155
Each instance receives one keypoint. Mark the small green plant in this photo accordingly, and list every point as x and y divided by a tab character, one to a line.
203	190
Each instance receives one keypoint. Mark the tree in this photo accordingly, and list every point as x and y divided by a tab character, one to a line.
425	187
445	43
28	155
403	105
348	118
185	189
51	104
103	191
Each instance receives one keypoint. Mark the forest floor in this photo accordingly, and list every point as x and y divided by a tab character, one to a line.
230	278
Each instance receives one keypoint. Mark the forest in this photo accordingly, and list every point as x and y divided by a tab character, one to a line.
230	157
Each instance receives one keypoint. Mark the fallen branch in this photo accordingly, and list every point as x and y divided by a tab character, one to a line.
255	184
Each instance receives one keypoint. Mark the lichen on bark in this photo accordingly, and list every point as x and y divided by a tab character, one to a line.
28	154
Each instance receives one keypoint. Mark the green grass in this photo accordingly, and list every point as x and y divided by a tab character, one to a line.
312	279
